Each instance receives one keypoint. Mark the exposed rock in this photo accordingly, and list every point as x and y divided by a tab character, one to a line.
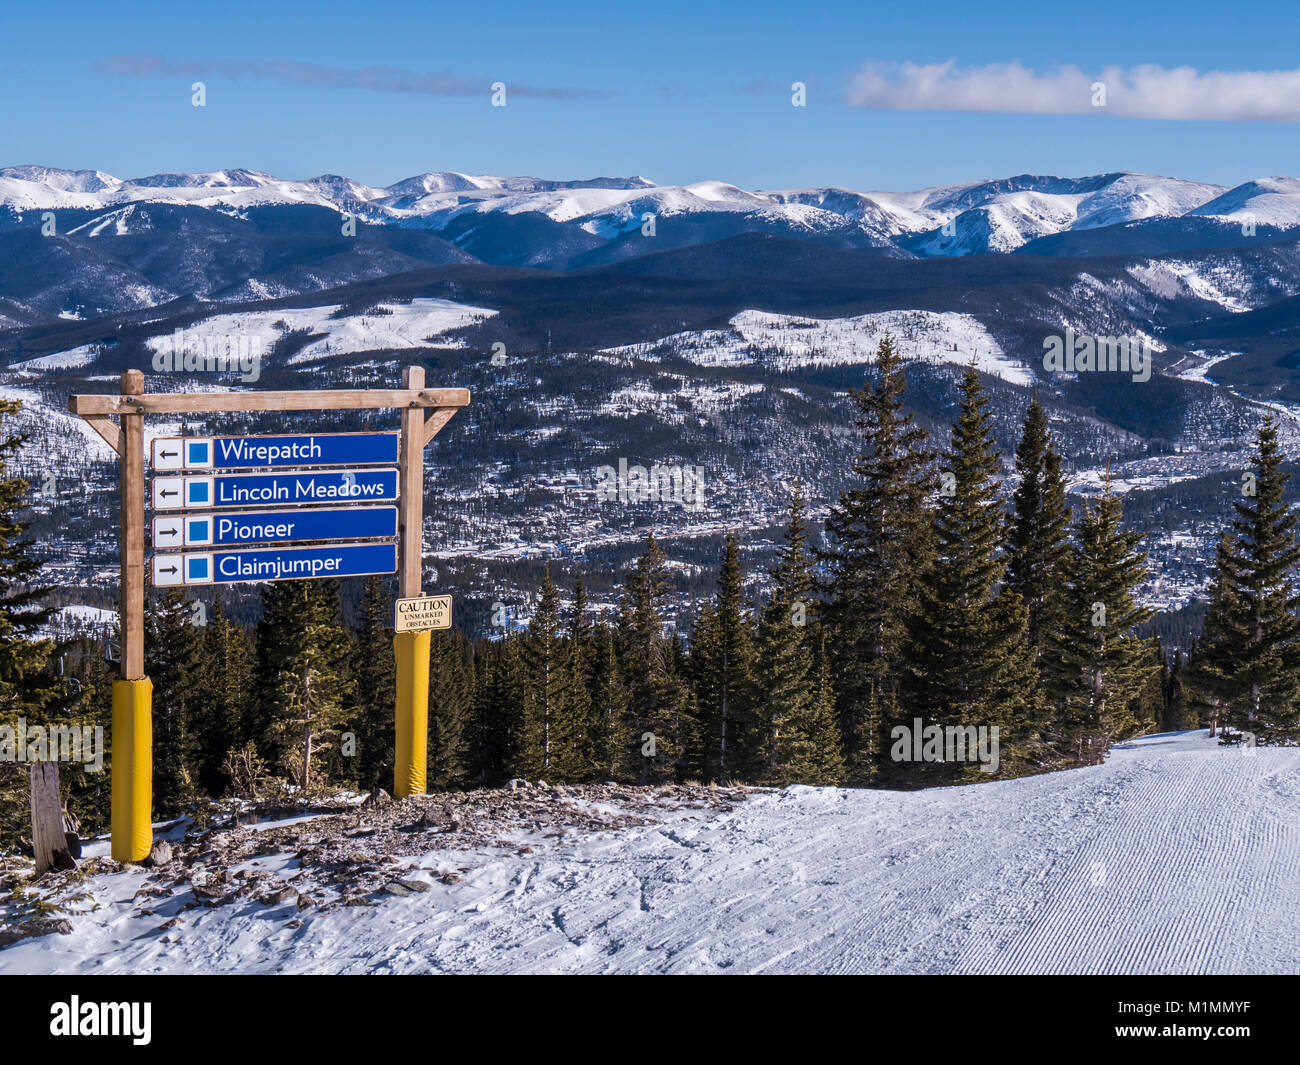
413	884
378	797
396	887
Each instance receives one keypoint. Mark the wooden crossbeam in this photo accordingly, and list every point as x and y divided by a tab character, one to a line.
206	402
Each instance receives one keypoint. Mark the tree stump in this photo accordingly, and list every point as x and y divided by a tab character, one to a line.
49	841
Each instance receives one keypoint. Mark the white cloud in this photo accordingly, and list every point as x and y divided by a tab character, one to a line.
1146	91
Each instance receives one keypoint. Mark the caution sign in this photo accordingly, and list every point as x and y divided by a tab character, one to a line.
426	612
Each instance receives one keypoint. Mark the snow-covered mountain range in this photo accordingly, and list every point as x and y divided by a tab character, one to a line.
970	218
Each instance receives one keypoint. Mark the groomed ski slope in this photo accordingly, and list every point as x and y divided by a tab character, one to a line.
1176	856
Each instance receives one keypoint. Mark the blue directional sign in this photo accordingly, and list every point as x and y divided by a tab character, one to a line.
274	564
253	452
273	526
251	489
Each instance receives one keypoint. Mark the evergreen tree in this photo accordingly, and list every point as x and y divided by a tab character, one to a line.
798	742
1101	664
1039	546
611	729
970	664
227	665
578	761
723	669
879	543
498	710
28	688
182	698
451	708
1179	714
547	686
1211	681
659	701
1251	653
306	672
373	717
822	762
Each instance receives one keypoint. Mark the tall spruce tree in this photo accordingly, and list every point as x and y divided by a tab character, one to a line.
548	685
970	665
1039	545
1250	654
659	700
613	757
578	727
798	743
1101	664
878	544
723	668
28	687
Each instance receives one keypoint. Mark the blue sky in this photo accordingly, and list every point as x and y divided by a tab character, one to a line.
677	92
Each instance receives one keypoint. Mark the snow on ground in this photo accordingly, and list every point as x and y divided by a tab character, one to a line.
80	616
1170	278
1200	372
419	323
1176	856
784	342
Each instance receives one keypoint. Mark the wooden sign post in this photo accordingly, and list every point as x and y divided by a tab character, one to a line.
424	413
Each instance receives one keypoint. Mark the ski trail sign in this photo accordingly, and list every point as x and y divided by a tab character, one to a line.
284	489
256	452
273	564
378	467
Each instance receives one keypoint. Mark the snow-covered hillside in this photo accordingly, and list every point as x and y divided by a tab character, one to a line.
1177	856
785	342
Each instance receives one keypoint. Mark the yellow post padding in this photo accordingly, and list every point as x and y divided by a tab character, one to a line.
412	650
132	827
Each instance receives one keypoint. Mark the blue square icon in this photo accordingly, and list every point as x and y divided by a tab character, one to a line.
198	492
198	531
196	453
196	569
